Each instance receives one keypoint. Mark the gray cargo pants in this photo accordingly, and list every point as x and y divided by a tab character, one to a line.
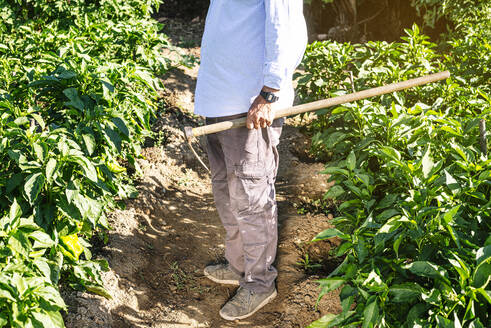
243	167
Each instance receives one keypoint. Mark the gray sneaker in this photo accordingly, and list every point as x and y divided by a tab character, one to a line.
222	274
245	303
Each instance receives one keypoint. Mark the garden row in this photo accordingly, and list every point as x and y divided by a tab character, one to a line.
412	180
77	93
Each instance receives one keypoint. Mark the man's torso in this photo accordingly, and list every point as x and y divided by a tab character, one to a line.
233	57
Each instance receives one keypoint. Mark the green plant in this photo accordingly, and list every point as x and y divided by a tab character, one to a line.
77	95
306	264
415	187
181	279
455	11
314	206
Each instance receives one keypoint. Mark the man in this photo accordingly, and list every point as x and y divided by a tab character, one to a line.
249	51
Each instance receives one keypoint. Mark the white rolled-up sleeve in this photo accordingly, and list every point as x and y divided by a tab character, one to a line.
276	66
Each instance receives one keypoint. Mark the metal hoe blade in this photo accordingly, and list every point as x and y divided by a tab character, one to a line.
188	132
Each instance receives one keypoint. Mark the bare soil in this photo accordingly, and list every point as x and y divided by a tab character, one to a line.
161	242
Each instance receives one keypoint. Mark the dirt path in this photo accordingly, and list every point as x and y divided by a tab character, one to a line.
163	239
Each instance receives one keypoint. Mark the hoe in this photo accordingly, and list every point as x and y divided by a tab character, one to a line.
316	105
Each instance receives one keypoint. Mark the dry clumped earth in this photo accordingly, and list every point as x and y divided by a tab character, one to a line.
161	242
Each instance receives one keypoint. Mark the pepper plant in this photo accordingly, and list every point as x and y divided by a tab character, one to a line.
78	90
413	183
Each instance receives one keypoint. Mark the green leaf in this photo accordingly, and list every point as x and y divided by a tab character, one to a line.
42	239
6	294
71	191
374	282
19	244
334	192
415	314
427	163
330	233
50	168
42	264
391	153
460	267
52	295
470	312
107	89
449	216
482	273
340	318
338	110
351	161
397	244
112	136
146	77
15	211
458	149
405	293
476	324
330	284
451	130
22	120
33	186
121	124
433	297
334	138
484	293
427	269
75	101
89	142
390	226
343	248
88	168
444	322
323	322
66	74
371	313
387	214
51	319
98	290
39	151
483	254
90	208
15	181
335	170
365	179
451	183
387	201
361	249
347	297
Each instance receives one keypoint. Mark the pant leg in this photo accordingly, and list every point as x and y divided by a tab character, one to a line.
251	161
233	240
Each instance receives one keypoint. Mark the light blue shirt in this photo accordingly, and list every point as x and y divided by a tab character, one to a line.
248	44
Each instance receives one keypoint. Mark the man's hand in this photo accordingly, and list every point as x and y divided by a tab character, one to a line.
260	114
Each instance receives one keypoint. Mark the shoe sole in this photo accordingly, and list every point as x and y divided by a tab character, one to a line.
226	282
263	303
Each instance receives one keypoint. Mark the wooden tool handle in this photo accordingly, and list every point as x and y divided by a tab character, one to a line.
316	105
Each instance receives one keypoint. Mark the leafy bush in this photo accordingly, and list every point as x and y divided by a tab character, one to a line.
416	187
77	92
454	11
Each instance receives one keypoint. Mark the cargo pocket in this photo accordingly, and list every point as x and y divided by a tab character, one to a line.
253	188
